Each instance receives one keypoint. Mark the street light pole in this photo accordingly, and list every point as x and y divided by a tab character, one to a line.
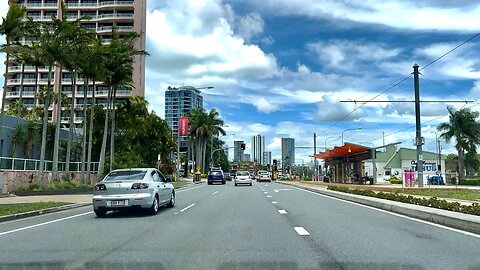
437	147
348	130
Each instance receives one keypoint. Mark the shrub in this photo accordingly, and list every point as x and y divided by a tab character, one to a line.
395	180
473	209
307	178
203	175
469	182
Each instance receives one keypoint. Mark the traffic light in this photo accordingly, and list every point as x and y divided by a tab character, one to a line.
274	162
242	146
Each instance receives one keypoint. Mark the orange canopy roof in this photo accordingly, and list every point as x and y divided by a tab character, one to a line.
347	149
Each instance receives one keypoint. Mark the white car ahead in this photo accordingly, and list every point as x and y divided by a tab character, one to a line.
243	177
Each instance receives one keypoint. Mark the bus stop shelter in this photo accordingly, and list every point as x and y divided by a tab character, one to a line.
344	164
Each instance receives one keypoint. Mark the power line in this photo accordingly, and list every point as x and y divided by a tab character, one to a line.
431	120
399	82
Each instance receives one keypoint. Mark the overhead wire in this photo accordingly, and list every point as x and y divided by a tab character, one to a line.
399	82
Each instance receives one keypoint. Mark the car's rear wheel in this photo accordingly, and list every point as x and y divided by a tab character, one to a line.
223	182
236	184
100	213
154	208
250	184
172	201
209	183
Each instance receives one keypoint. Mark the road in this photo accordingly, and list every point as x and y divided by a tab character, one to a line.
266	226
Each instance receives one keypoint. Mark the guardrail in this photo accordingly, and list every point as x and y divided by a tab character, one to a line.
20	164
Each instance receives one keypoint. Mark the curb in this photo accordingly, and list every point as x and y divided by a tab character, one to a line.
464	222
43	211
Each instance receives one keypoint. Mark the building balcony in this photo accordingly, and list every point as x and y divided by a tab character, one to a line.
115	16
118	28
115	3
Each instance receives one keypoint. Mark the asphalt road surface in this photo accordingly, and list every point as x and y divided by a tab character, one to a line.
266	226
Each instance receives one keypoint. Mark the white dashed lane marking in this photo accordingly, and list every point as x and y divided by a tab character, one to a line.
191	205
268	196
214	192
301	231
283	212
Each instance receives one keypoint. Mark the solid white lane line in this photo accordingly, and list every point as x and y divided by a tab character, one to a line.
265	192
283	212
191	205
301	231
274	202
187	189
44	223
268	196
395	214
214	192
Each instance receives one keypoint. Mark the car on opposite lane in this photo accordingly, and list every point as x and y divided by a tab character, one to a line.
243	177
142	188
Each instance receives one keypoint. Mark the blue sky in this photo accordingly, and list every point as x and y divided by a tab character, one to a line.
280	68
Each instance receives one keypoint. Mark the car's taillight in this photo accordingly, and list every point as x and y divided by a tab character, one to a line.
140	186
100	187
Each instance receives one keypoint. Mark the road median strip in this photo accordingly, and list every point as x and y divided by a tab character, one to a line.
23	210
461	221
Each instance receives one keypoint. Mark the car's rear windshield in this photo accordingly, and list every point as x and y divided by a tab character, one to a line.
125	175
243	174
216	173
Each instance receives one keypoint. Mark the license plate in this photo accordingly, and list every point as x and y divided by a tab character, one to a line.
118	203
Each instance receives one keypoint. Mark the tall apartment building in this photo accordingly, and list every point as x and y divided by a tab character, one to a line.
178	102
125	15
258	147
267	158
238	153
288	152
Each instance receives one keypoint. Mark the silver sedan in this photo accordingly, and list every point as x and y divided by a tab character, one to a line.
143	188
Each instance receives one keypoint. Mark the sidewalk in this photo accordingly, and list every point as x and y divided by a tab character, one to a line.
465	222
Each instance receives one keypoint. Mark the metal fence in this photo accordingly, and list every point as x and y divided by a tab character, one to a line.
21	164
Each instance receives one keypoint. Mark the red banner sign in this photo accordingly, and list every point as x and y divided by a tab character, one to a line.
183	126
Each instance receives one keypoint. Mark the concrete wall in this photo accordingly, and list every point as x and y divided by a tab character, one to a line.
13	179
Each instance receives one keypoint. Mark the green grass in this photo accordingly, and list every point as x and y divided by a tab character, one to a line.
178	185
461	194
53	186
10	209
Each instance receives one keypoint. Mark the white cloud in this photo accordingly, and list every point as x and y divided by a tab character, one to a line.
198	42
250	26
263	105
346	55
417	15
330	110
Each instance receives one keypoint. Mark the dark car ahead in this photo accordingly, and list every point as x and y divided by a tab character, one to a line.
216	176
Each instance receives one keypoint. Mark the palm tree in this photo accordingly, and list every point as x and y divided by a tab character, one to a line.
18	137
120	54
464	128
204	125
12	27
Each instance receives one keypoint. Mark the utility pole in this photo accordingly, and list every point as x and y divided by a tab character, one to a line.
315	159
418	126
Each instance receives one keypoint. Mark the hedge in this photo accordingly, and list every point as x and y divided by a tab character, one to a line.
470	182
473	209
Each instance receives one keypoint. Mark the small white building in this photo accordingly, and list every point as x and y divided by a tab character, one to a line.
394	162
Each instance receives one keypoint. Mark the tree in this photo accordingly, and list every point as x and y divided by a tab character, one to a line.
204	125
464	128
18	137
12	27
120	54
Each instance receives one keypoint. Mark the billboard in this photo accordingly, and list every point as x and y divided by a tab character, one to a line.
183	126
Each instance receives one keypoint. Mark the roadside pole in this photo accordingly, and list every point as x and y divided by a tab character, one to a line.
418	126
315	171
